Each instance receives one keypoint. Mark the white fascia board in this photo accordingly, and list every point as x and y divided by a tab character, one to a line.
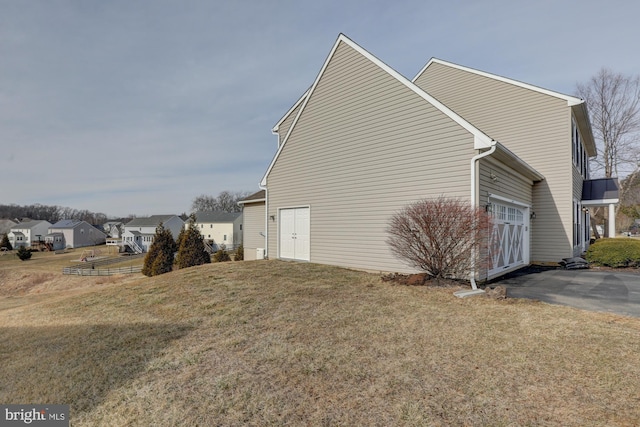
250	201
298	102
600	202
481	140
571	100
304	99
520	165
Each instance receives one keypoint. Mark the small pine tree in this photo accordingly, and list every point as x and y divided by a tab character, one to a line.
221	255
191	251
183	231
159	259
239	256
23	253
163	263
5	243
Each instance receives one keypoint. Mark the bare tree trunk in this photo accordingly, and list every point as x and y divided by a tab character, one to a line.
594	227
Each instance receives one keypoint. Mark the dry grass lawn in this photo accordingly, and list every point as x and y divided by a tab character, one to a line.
274	343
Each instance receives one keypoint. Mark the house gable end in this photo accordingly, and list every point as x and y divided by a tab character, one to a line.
577	105
481	140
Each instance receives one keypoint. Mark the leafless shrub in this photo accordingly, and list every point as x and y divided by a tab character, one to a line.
444	237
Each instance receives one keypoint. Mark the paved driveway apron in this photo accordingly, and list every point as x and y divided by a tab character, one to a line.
604	291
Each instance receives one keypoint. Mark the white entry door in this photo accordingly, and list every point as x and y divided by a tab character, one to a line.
294	233
509	239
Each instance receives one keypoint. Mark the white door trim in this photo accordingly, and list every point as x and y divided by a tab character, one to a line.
508	230
302	248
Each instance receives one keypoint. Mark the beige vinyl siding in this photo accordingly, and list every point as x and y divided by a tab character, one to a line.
286	124
253	217
364	146
498	179
533	125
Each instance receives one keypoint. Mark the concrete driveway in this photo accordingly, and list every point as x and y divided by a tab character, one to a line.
606	291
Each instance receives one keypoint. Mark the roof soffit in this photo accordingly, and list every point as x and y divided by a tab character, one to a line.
504	155
582	117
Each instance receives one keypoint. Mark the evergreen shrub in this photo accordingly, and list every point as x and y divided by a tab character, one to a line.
618	252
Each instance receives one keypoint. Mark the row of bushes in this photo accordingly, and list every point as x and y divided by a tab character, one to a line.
618	252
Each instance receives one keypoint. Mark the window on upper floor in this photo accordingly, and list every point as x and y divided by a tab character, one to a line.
578	153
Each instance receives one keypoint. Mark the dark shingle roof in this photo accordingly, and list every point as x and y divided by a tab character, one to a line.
27	224
152	221
66	223
600	189
255	197
216	216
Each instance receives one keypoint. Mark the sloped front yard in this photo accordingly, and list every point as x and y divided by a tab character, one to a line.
274	343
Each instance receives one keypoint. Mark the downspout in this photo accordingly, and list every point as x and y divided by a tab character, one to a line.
266	220
474	204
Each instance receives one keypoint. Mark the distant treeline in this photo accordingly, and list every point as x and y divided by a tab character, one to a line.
52	214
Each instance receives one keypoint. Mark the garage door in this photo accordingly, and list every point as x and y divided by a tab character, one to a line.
294	233
509	239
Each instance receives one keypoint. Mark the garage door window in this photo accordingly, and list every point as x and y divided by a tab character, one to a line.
509	238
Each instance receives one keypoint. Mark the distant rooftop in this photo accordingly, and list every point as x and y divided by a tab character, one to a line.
255	197
152	221
217	216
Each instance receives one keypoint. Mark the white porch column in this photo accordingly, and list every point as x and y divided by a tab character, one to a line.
612	220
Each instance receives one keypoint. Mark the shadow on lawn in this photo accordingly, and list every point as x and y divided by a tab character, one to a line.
77	365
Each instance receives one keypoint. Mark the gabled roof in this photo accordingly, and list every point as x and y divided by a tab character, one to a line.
152	221
28	224
259	196
578	105
481	140
67	223
216	216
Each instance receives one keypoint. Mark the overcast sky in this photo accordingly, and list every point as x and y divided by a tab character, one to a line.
137	107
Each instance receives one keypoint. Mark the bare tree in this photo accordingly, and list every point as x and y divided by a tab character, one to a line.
445	238
613	101
203	203
226	201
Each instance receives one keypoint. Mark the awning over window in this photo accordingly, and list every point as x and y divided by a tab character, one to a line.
603	191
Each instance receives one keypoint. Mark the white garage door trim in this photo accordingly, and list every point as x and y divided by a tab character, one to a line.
294	233
509	237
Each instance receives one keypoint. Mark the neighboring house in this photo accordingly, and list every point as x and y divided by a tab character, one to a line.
364	141
71	233
220	228
253	214
113	229
139	232
24	233
5	226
